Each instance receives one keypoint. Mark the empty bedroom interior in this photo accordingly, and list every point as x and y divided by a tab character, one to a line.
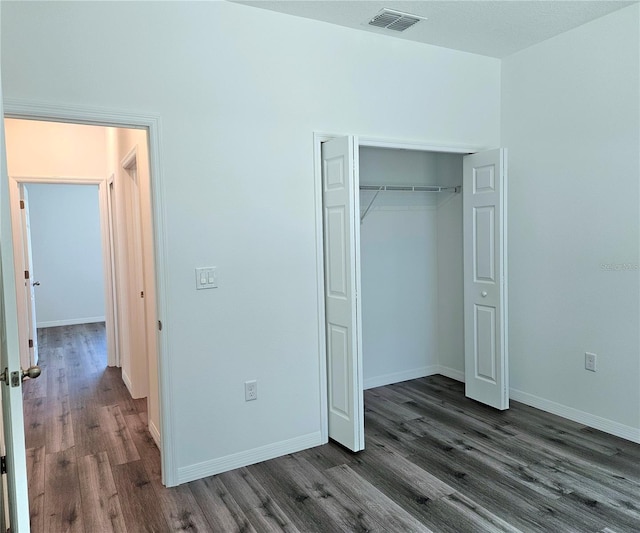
238	193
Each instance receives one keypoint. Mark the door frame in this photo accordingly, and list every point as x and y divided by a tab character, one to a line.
363	141
33	110
15	183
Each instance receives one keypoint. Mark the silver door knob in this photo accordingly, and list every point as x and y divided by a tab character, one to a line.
32	372
35	283
483	294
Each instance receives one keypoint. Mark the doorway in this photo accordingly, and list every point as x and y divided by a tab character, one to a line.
482	250
63	255
53	154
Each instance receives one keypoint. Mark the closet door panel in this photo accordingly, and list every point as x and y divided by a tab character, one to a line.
342	285
485	270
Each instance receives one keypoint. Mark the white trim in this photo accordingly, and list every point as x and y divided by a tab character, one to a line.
603	424
397	377
318	139
114	312
15	183
127	381
19	108
70	322
419	146
596	422
22	308
248	457
155	434
451	373
130	161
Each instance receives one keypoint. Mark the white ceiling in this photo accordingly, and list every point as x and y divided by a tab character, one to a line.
491	28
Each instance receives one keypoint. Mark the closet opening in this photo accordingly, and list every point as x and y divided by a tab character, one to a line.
414	272
411	265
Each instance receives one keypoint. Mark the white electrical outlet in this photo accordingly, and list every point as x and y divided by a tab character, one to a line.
590	361
250	390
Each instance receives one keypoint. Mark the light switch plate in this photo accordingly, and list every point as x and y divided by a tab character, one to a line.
206	278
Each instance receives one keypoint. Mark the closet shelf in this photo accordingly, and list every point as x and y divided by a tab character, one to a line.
410	188
405	188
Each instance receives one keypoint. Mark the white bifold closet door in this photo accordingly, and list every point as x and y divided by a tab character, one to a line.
341	214
485	274
485	309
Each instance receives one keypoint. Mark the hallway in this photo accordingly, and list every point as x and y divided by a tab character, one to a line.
91	462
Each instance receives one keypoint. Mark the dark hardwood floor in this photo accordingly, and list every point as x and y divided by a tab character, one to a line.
434	461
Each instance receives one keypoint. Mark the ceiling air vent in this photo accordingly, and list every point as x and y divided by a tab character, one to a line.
394	20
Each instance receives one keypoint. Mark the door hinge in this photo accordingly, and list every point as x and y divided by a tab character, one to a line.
21	204
26	274
30	343
141	294
159	325
3	464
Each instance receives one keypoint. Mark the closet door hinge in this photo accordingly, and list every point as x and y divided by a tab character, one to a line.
3	464
21	204
30	343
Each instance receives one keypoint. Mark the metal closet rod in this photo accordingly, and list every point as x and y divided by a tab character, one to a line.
406	188
410	188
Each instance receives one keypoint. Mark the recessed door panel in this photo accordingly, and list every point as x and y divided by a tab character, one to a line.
339	371
484	179
485	249
337	252
334	171
485	345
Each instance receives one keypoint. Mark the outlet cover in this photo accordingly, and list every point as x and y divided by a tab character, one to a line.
206	278
590	360
250	390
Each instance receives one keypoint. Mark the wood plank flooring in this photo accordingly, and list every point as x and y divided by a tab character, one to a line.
434	461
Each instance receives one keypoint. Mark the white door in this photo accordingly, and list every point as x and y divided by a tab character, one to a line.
341	221
16	497
485	275
30	283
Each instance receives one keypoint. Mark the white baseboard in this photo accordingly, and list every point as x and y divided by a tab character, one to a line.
593	421
451	373
155	434
397	377
127	381
70	322
246	458
581	417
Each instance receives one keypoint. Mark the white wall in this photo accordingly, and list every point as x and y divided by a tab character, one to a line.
450	273
67	254
238	104
401	298
570	118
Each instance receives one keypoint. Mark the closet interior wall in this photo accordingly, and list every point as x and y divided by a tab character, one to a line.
411	267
